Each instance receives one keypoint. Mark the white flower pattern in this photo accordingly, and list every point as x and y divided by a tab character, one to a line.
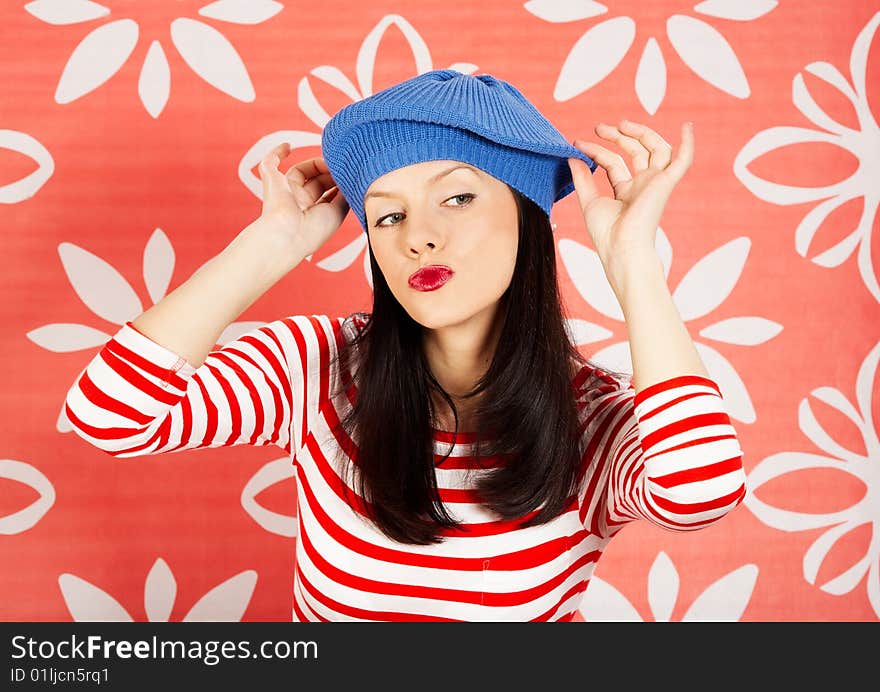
723	601
703	289
334	77
864	466
104	50
601	49
862	143
226	602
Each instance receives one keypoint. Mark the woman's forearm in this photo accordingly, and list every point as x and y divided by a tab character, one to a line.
659	342
190	319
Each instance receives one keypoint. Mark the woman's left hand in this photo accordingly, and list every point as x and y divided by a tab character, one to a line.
627	223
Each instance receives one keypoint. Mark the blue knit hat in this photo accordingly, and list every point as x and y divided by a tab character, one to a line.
445	114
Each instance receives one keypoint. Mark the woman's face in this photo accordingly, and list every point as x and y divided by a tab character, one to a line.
443	213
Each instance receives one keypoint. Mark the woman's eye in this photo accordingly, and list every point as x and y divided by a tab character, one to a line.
387	216
467	195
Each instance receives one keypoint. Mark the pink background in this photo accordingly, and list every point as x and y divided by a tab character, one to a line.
129	139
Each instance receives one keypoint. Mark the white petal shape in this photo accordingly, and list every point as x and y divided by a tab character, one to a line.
594	56
662	587
266	476
806	104
742	331
874	587
817	435
778	465
564	10
366	57
31	476
740	10
835	398
98	57
858	61
237	330
865	388
241	11
99	285
708	54
815	556
308	103
159	592
651	77
212	57
584	332
226	602
774	138
345	256
588	276
726	599
88	603
603	603
27	187
828	72
334	77
252	157
66	11
616	357
848	580
736	400
64	337
154	82
158	265
463	67
710	281
810	224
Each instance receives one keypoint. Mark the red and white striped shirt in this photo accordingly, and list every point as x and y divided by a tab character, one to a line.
667	454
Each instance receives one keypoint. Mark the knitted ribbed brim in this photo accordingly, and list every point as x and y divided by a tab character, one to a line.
444	114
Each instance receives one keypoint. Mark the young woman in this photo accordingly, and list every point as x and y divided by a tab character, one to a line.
456	457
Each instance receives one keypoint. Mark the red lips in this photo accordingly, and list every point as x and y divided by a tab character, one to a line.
430	277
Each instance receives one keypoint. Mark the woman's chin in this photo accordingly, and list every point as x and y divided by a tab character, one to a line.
436	316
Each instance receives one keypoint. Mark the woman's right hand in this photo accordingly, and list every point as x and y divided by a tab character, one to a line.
304	202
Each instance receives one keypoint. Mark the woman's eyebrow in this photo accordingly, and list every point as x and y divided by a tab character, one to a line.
433	179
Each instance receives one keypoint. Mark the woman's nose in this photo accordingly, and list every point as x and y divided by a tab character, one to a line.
424	232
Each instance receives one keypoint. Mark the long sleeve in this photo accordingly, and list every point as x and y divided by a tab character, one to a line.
136	397
667	454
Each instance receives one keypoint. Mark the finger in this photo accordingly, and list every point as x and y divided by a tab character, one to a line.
584	185
269	163
301	172
613	163
630	145
661	150
338	202
315	187
334	201
685	155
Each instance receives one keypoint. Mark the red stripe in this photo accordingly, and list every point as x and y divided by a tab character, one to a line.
579	587
529	557
386	587
303	374
691	423
673	383
362	613
719	468
124	353
696	507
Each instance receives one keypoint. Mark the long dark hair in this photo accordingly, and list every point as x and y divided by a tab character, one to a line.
527	415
